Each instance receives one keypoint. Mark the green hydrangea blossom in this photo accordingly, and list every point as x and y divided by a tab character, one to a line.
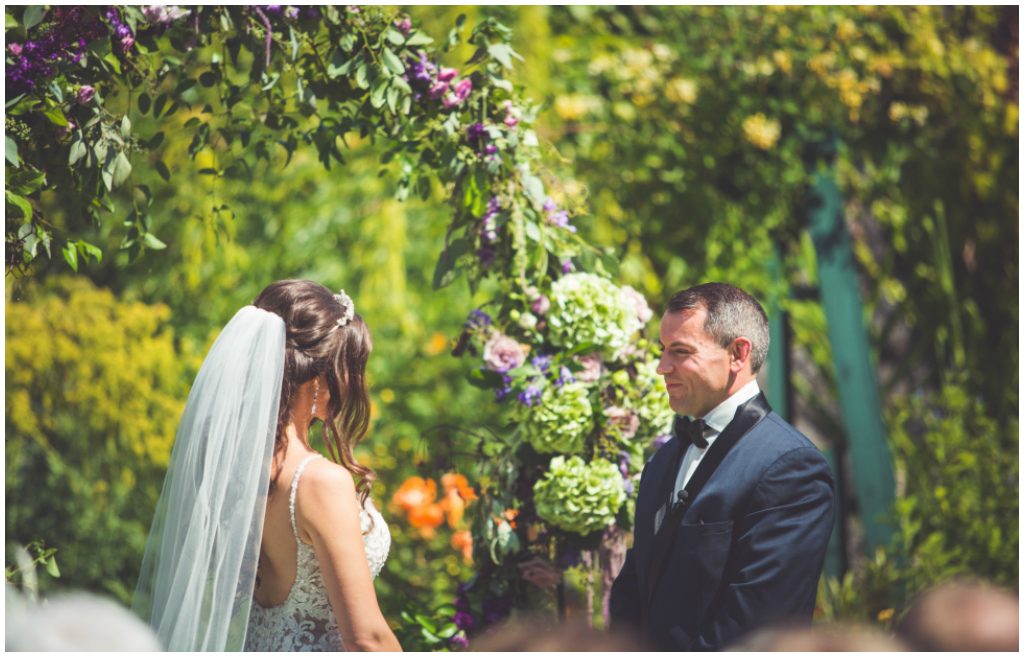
586	308
649	399
579	497
561	421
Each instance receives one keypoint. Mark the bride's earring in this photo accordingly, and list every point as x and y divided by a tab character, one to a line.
316	391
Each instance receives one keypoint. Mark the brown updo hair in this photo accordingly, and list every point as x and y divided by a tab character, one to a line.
315	345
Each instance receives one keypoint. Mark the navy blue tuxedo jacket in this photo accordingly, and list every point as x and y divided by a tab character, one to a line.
747	552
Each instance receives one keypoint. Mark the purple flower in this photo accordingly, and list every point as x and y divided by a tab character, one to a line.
541	305
477	319
423	70
311	12
542	362
549	205
502	353
122	31
272	10
661	440
85	94
292	13
565	376
567	266
490	149
459	642
505	389
475	132
447	74
628	485
404	26
531	396
463	620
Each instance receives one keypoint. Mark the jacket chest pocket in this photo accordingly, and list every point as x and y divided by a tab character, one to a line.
702	552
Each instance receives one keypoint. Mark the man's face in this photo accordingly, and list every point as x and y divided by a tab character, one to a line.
695	367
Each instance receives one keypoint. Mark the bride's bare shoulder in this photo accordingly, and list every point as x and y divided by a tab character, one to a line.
327	497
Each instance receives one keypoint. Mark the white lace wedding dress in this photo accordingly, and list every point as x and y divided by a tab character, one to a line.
304	621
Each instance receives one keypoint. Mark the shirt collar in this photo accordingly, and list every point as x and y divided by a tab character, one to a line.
720	416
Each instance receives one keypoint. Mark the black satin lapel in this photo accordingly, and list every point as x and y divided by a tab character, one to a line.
747	415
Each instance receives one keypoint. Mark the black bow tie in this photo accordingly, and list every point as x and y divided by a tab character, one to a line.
691	431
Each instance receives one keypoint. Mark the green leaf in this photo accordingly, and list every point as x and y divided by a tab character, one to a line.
70	254
503	53
33	16
392	62
126	126
122	168
532	231
445	273
161	169
144	103
89	250
51	567
56	117
11	151
394	36
115	63
378	94
361	75
20	204
78	151
152	242
158	106
418	38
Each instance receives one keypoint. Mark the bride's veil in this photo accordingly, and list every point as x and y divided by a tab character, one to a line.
198	572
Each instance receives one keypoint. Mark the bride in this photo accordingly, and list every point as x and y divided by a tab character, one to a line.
258	542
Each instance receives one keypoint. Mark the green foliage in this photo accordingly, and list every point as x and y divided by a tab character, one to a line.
958	512
560	421
94	390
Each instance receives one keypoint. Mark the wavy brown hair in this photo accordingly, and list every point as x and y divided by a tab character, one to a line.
315	345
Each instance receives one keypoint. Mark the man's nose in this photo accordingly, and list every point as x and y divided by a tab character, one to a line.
663	368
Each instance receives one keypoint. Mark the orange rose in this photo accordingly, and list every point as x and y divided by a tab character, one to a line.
415	492
453	481
463	540
426	518
454	507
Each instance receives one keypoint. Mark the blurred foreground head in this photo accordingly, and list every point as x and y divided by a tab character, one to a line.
77	621
525	635
962	616
819	638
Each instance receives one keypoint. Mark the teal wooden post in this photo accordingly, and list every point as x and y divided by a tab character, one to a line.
858	390
778	348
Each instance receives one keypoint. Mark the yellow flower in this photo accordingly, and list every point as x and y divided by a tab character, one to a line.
885	614
573	107
783	60
761	131
681	90
437	344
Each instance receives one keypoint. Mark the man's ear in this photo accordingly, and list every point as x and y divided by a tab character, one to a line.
739	354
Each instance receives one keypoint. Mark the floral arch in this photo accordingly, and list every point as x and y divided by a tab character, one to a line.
562	346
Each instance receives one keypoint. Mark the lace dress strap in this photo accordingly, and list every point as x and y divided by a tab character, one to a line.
295	487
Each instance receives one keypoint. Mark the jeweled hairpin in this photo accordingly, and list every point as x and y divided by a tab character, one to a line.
348	306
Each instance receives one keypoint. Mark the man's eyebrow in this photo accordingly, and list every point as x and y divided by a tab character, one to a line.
678	343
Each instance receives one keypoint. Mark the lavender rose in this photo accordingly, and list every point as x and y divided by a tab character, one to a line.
502	353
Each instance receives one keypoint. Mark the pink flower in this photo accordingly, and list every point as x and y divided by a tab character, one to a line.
404	26
447	74
461	93
85	94
591	368
626	421
502	353
541	305
512	114
643	311
14	49
511	121
437	89
127	43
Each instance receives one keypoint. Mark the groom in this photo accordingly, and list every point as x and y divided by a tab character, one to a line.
735	511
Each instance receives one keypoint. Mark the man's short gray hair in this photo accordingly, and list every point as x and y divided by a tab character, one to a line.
732	313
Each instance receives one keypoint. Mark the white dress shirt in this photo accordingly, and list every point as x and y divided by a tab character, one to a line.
716	420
